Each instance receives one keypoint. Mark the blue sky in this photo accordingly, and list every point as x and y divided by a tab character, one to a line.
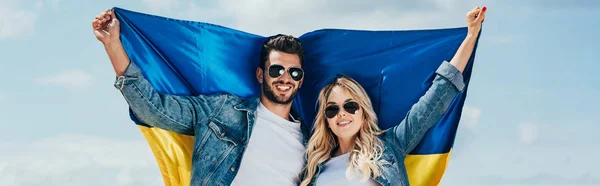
531	116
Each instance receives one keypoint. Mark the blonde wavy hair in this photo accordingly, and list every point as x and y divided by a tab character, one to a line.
367	149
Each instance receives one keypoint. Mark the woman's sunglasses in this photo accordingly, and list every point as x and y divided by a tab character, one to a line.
350	107
276	71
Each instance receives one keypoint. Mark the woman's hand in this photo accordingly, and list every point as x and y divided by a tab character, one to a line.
474	19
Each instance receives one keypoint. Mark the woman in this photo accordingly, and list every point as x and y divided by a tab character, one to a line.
347	142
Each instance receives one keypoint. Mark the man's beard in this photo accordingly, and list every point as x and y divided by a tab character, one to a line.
268	91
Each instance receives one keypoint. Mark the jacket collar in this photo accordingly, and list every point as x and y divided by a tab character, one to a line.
250	105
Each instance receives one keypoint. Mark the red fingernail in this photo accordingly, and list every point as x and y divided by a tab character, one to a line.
484	8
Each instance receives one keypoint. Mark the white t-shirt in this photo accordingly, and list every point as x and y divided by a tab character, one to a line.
275	153
334	173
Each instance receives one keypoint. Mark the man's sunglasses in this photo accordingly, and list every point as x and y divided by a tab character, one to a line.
350	107
276	71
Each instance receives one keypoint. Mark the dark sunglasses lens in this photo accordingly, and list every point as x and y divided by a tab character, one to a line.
296	73
331	111
276	71
351	107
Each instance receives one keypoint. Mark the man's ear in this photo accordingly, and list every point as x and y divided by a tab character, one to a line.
259	75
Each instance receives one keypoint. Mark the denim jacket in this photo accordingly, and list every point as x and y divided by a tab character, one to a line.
221	123
398	141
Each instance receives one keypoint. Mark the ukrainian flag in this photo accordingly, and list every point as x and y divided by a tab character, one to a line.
395	67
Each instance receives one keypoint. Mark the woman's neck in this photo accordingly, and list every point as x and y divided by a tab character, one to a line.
345	146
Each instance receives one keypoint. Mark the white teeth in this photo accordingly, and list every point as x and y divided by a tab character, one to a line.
343	122
283	87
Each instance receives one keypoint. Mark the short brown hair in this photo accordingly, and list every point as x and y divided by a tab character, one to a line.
282	43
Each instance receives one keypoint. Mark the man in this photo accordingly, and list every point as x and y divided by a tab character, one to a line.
237	142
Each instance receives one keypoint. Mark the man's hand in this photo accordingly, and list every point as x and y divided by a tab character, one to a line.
106	27
474	19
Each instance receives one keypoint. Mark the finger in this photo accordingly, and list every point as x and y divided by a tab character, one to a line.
97	32
472	16
103	15
105	12
483	17
476	9
113	16
469	15
481	14
113	22
474	12
100	19
99	24
96	23
101	32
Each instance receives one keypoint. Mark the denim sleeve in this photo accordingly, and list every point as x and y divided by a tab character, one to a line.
170	112
429	109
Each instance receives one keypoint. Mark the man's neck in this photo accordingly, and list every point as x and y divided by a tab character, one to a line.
280	110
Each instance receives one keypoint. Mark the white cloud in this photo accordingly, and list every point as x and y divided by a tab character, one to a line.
297	17
467	132
558	4
52	3
500	39
15	20
161	5
470	117
528	132
541	179
78	160
71	79
39	4
568	132
18	20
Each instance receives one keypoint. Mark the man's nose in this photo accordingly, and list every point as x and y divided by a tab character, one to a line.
285	77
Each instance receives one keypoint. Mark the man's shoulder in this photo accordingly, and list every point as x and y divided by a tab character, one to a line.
232	101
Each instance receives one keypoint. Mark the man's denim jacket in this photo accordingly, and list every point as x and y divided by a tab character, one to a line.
398	141
222	124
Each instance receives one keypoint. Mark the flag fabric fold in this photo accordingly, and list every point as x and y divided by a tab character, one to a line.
395	68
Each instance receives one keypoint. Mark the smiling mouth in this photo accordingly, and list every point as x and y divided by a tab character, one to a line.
344	123
283	88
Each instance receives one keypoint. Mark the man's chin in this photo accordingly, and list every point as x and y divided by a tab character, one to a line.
283	99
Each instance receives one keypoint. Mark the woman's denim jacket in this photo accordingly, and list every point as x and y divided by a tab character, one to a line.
398	141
